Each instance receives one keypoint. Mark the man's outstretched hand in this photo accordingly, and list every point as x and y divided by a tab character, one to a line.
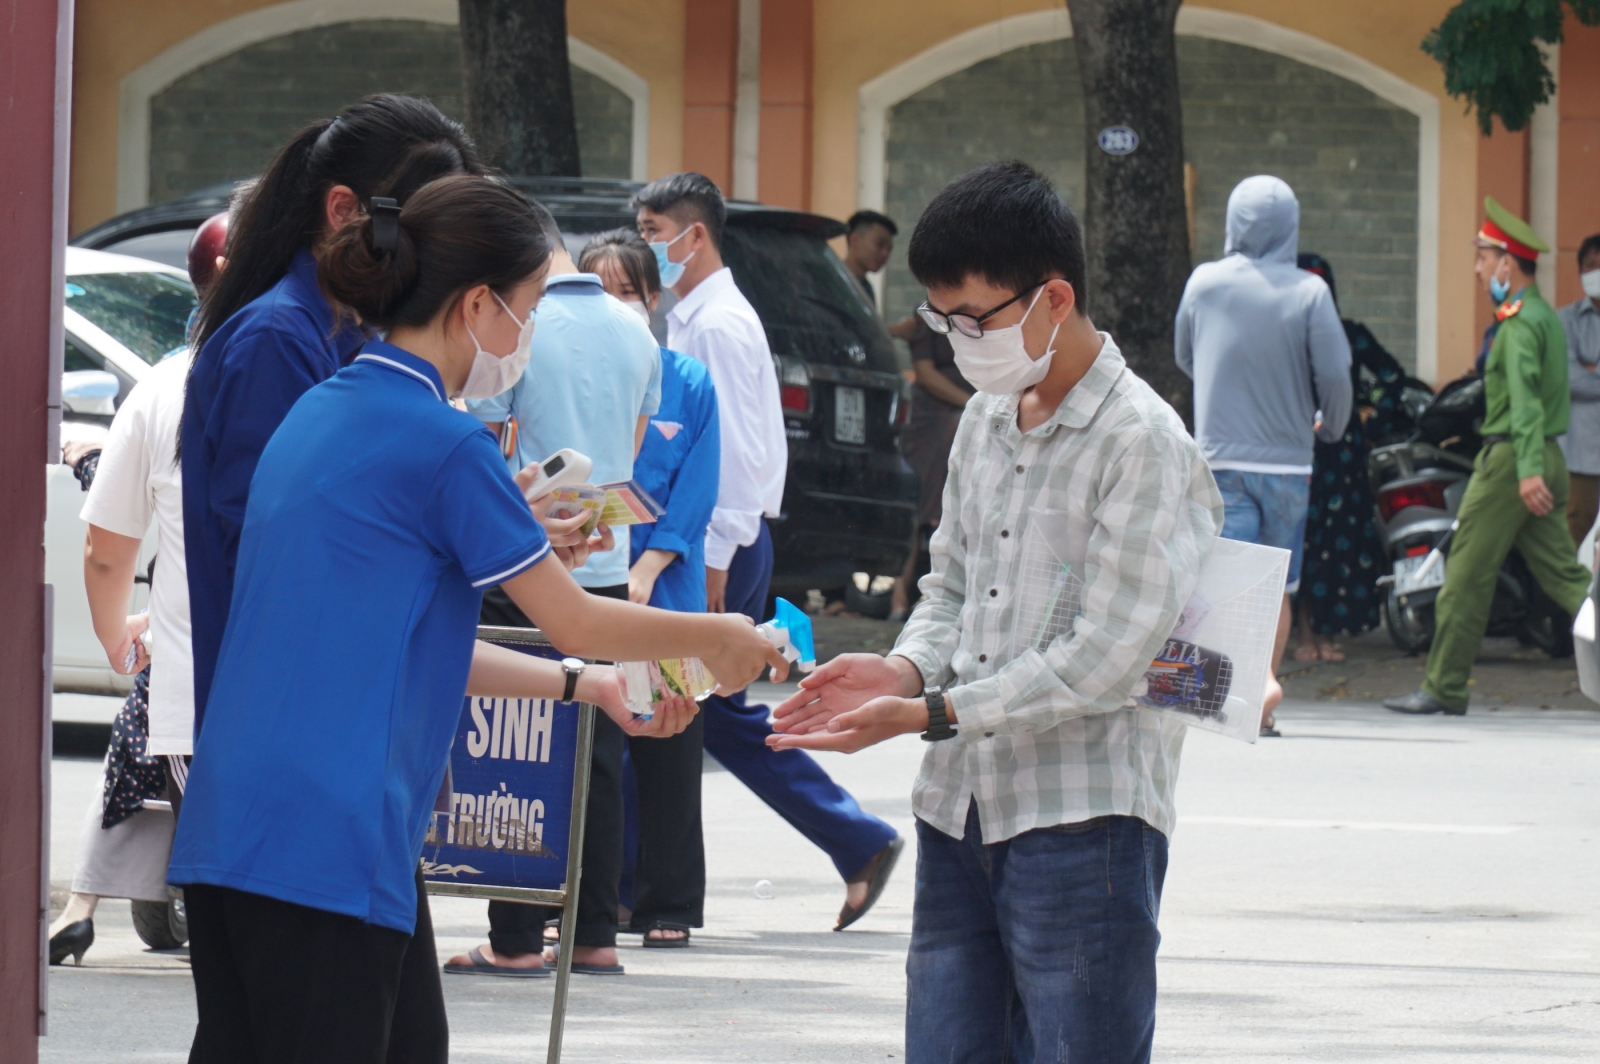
881	718
839	687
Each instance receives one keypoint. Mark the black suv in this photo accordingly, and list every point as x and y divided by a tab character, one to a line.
849	500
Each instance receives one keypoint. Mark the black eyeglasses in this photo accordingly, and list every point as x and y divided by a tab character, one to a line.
966	324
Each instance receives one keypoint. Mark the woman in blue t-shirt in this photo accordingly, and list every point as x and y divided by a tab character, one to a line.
377	514
267	330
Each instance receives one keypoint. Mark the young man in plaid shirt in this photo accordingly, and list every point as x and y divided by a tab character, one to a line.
1046	796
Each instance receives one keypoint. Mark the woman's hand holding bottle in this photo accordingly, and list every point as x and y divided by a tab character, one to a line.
598	685
741	653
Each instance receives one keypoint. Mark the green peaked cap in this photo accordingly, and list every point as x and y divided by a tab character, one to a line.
1512	226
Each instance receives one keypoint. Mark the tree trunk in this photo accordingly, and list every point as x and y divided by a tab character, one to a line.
1137	226
518	86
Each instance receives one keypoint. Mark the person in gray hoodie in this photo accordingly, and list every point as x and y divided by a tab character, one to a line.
1271	367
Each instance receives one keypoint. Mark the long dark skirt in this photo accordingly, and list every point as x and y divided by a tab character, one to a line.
1344	556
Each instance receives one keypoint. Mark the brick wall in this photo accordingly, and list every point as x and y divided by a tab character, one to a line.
1350	157
225	120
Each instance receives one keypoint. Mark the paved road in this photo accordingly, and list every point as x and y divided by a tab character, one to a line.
1368	888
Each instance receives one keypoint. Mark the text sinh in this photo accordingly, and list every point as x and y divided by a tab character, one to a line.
521	730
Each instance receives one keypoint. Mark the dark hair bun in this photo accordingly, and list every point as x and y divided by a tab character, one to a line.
372	283
455	233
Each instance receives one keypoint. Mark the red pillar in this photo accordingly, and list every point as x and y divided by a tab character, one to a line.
710	86
786	66
35	83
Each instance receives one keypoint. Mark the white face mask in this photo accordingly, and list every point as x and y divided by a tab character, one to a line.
1591	283
492	374
999	363
638	308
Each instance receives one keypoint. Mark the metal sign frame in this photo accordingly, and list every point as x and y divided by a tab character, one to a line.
567	897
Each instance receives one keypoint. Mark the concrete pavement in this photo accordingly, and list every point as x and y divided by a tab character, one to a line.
1370	887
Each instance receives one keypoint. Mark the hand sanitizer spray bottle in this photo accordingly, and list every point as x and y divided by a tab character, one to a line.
790	631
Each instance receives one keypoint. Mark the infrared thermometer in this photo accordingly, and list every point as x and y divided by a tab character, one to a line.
563	469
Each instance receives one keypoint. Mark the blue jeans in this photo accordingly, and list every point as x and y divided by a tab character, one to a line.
1266	508
1039	948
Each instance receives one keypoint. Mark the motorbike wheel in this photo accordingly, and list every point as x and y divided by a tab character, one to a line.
1410	627
873	601
162	924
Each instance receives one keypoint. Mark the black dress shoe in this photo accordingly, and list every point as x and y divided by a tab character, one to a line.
74	939
876	877
1420	702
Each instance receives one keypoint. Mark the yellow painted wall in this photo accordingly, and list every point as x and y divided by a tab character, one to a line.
646	36
856	42
112	38
1389	35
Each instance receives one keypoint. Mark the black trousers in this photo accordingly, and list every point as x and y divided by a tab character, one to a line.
669	874
279	983
516	928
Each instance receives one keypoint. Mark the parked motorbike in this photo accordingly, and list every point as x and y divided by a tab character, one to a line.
1418	485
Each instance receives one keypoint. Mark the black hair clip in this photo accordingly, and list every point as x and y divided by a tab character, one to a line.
385	223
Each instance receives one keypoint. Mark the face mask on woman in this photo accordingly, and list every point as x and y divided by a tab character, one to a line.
671	272
998	363
492	374
638	307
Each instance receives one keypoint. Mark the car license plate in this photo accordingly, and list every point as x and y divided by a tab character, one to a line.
1422	573
850	415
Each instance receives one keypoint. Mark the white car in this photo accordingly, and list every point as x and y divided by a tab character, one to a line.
122	316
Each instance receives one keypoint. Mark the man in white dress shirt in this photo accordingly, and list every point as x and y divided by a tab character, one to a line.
683	217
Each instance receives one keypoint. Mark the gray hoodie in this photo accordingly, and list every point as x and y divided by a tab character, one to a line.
1258	334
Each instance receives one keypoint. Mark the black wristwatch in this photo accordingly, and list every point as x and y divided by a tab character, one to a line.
938	720
573	667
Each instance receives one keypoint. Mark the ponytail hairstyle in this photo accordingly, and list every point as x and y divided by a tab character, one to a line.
386	145
454	234
627	249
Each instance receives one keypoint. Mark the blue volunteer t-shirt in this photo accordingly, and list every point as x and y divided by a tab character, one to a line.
679	465
242	386
377	515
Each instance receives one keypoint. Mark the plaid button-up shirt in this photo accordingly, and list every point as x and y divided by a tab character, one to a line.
1108	504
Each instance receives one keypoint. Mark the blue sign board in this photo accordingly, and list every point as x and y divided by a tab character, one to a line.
505	819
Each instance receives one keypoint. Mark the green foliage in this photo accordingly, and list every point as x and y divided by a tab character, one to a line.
1490	53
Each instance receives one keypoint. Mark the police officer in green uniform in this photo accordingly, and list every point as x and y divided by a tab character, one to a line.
1517	496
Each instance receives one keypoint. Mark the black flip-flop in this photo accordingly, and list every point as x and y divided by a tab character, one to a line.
666	943
480	966
876	876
